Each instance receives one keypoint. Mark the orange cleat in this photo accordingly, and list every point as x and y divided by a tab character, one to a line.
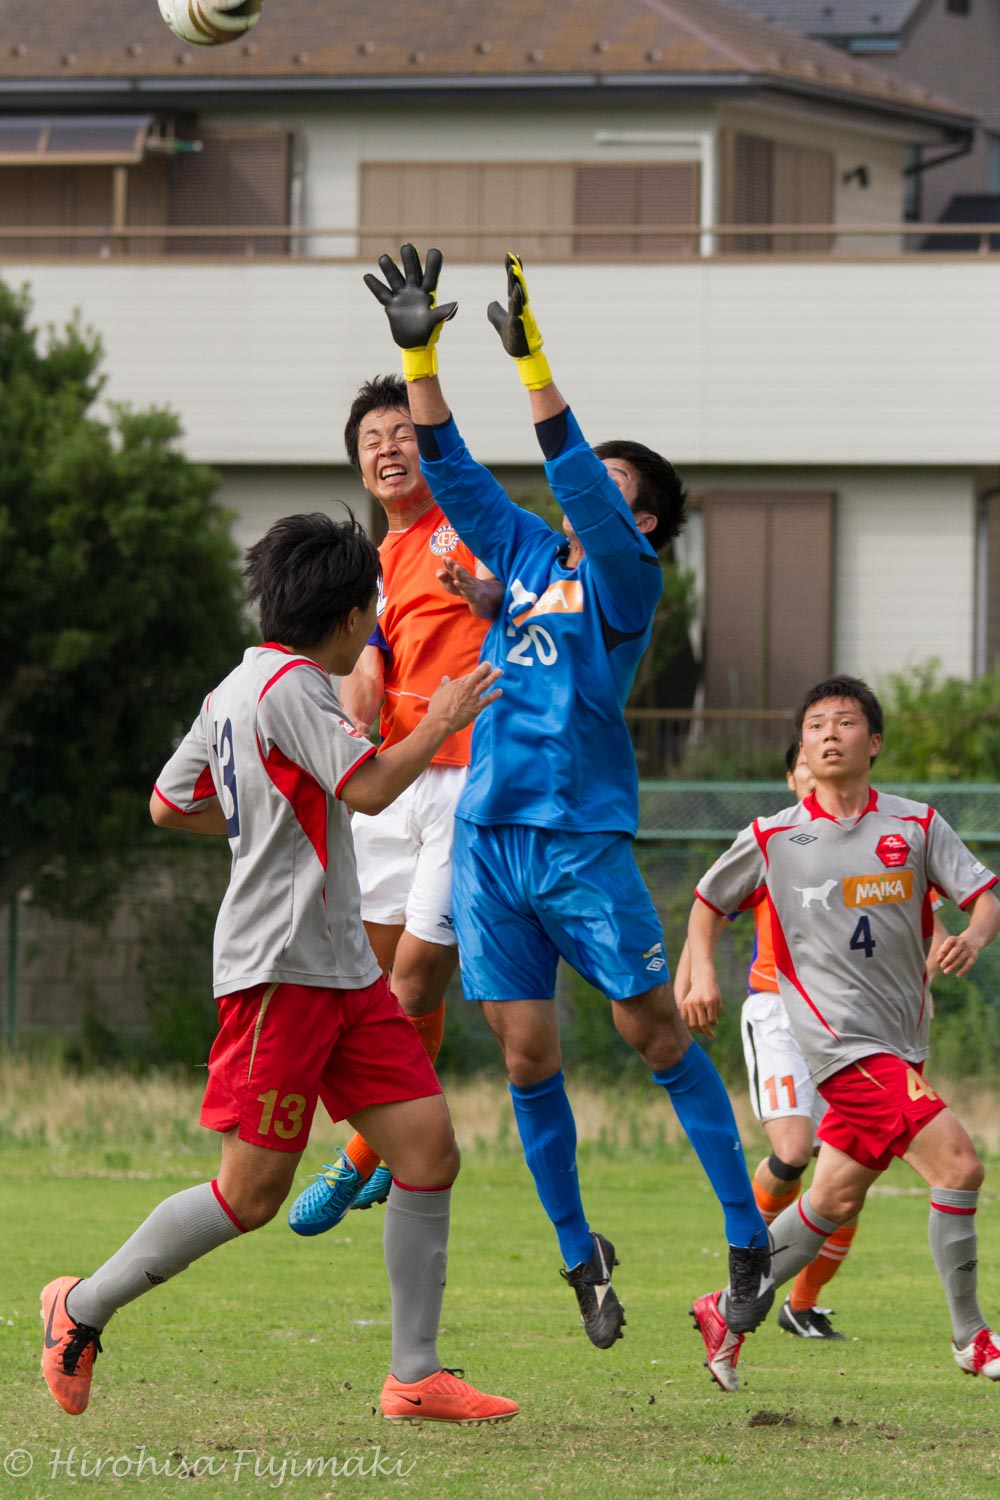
443	1397
69	1350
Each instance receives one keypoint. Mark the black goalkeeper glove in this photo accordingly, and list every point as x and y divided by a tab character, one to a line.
410	303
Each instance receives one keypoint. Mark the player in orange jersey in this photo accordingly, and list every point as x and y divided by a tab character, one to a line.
424	632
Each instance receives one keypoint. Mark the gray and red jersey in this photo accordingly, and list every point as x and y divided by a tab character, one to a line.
850	907
273	743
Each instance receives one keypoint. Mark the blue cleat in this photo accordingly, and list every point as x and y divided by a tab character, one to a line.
327	1198
375	1190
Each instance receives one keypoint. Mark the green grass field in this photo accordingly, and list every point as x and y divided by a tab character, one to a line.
271	1352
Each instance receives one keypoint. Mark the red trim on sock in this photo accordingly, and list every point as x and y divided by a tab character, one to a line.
946	1208
409	1188
226	1209
809	1223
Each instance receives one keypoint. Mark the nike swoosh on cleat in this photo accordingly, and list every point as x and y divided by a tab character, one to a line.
413	1400
50	1342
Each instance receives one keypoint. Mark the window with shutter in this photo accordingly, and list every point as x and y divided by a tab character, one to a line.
775	182
662	193
236	179
513	197
521	197
768	597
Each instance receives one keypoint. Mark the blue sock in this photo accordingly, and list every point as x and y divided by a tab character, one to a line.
548	1133
703	1108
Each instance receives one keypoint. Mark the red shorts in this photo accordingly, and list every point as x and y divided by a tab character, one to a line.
282	1046
877	1106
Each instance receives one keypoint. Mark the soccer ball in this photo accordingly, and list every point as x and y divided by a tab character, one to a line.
209	23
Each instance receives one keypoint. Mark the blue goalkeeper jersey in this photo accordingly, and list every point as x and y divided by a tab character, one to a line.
554	751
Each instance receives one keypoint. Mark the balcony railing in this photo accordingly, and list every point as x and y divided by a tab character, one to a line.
483	242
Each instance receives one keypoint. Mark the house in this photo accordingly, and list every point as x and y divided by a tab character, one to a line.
711	209
950	46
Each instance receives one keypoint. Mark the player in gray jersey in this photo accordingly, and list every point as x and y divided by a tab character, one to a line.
849	876
274	764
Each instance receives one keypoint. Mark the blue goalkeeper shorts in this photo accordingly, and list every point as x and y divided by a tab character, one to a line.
524	897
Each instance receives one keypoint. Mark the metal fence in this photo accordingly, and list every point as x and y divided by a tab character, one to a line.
54	974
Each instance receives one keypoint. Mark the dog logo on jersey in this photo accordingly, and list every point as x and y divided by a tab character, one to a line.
877	890
893	850
656	959
445	539
815	894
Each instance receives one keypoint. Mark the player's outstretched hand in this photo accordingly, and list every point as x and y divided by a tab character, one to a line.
700	1008
483	595
463	700
519	333
409	297
957	954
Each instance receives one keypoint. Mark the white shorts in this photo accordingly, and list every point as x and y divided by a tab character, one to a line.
404	856
780	1086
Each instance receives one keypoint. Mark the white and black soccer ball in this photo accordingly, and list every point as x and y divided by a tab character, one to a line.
210	23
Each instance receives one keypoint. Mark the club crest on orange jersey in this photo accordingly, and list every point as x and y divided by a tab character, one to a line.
445	539
893	850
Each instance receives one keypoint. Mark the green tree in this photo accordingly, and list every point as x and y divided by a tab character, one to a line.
121	605
940	728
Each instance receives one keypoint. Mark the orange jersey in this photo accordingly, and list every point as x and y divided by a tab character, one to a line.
427	632
763	973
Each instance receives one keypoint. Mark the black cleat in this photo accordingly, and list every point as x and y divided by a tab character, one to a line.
750	1292
808	1322
603	1315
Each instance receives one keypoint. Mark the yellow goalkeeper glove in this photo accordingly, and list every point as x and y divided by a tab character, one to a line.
518	330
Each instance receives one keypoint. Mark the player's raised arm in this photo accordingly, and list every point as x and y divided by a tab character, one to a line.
522	339
481	511
409	297
362	691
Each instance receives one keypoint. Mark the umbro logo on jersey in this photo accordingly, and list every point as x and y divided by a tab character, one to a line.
445	539
656	959
803	838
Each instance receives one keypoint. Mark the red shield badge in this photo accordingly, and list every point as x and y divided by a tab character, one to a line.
893	850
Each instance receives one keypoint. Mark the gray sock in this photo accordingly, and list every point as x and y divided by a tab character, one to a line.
415	1240
178	1231
798	1233
953	1246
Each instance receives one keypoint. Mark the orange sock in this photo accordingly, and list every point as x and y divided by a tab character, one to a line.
770	1204
813	1278
430	1030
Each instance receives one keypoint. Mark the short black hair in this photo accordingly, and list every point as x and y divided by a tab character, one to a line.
660	491
843	687
792	756
307	573
384	393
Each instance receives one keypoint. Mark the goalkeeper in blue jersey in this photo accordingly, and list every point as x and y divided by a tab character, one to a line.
543	865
